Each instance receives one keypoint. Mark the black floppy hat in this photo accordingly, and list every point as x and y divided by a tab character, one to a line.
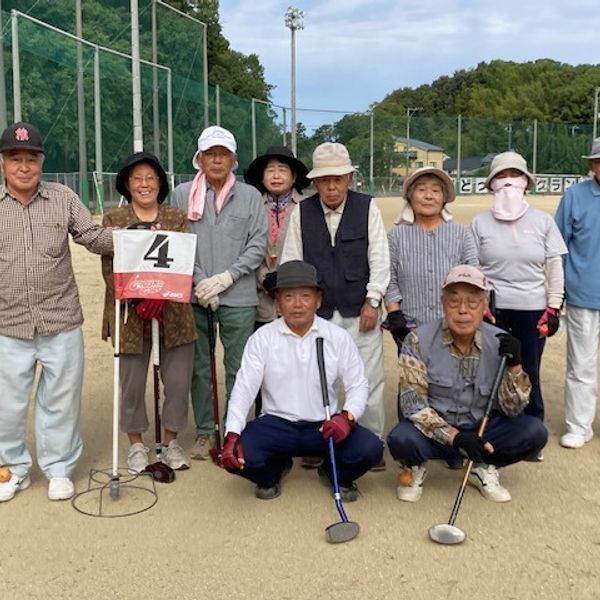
255	170
135	159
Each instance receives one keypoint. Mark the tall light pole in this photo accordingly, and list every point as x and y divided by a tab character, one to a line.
409	112
293	20
595	127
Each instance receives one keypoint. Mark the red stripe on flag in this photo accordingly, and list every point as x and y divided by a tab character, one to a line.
156	286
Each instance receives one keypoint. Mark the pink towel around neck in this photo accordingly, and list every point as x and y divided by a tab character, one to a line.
197	196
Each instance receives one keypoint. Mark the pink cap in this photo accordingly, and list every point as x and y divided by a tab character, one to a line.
466	274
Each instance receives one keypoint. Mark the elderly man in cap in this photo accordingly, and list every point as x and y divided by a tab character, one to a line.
341	233
578	219
40	314
229	220
280	360
446	372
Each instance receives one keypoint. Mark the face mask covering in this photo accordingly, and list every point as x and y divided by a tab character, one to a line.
509	198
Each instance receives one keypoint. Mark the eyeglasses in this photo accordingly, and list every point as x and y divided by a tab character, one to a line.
141	179
469	302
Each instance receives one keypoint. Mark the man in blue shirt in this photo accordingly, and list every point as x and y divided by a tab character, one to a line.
578	218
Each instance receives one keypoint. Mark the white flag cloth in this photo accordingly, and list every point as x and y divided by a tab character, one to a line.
153	264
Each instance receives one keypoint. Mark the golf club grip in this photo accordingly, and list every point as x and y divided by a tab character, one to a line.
493	394
322	376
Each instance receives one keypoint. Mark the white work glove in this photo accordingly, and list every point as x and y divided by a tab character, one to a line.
212	286
212	304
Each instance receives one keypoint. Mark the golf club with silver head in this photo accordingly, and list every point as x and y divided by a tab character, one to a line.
448	533
345	530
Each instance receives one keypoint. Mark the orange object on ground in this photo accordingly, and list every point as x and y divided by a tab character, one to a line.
5	474
405	477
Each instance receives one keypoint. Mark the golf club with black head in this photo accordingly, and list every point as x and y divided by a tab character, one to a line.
159	470
215	453
448	533
345	530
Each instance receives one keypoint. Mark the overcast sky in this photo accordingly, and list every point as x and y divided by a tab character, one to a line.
354	52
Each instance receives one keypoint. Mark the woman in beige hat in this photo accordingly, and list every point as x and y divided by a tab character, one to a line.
520	249
424	245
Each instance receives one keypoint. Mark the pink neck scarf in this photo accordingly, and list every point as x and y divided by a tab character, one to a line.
197	196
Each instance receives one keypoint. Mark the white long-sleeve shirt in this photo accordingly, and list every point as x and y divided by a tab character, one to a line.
283	365
378	251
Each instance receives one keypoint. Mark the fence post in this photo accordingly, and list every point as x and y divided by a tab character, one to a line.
16	67
458	153
253	105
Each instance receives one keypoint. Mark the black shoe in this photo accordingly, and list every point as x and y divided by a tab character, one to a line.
268	493
311	462
349	493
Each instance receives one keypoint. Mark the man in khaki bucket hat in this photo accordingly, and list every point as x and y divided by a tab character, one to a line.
341	233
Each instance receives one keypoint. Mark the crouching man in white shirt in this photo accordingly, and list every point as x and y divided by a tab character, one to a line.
280	360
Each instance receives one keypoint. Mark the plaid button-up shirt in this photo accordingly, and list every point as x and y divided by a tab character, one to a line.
38	293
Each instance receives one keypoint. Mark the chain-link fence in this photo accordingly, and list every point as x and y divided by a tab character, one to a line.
79	93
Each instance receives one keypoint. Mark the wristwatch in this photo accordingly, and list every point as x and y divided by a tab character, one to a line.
373	302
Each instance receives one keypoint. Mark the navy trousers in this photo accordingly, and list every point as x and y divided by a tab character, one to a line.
523	325
513	439
270	443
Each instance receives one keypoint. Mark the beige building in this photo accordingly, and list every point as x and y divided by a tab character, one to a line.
420	154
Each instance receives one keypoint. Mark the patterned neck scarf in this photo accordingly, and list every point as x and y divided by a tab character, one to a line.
278	203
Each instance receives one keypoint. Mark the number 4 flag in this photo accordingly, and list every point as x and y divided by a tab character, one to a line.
153	264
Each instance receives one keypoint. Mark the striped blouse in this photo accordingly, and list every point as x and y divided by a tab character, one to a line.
420	259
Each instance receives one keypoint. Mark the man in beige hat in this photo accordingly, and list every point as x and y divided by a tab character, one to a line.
229	221
341	233
578	219
446	372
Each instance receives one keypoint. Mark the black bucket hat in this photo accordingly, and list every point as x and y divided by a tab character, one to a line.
135	159
254	172
21	136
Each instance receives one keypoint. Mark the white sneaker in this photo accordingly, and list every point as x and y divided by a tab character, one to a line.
60	488
15	484
175	456
137	458
574	440
413	491
487	480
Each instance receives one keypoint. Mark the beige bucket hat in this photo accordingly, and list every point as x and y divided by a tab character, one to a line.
508	160
330	158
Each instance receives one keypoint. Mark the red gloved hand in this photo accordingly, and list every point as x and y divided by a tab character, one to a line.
549	322
232	455
339	427
150	309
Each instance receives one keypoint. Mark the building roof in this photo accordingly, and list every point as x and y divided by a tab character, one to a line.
419	144
468	163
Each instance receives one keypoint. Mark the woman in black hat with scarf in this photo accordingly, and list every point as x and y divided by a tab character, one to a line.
143	183
280	177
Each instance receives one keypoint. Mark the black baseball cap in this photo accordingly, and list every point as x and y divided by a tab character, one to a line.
21	136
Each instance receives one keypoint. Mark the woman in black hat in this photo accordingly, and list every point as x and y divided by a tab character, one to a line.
280	177
143	183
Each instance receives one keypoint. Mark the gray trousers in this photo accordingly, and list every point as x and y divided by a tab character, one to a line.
176	367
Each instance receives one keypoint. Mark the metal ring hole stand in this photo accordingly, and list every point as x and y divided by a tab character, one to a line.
119	483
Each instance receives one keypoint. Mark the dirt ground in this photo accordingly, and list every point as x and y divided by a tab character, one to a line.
209	537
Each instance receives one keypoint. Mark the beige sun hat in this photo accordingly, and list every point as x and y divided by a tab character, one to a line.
330	158
448	184
595	153
508	160
214	136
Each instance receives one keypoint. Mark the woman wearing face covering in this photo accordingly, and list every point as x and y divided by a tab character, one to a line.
520	249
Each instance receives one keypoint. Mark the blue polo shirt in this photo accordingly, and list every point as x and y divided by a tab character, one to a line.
578	219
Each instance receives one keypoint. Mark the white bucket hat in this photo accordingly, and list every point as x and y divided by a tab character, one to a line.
448	184
508	160
330	158
214	136
595	153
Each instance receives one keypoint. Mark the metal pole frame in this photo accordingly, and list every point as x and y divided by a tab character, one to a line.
595	124
535	148
98	129
285	126
3	116
218	104
155	107
458	153
83	186
17	116
371	146
293	124
138	132
253	110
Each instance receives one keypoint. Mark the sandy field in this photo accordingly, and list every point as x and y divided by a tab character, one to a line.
208	537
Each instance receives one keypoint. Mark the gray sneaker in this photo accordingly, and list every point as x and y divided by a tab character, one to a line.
174	456
137	458
269	493
201	449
